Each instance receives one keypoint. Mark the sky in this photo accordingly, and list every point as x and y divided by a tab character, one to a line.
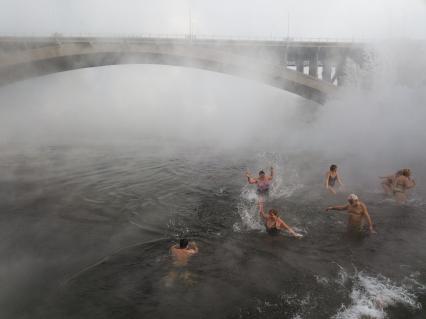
360	19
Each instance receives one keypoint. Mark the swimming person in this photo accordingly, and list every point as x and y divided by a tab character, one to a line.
389	180
263	182
402	183
358	212
274	223
331	178
182	251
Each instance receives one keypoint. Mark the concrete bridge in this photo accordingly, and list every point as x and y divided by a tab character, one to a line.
311	69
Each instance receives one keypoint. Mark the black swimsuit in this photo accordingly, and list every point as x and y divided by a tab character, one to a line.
332	180
272	231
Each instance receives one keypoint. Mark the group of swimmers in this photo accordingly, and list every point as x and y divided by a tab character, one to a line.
396	184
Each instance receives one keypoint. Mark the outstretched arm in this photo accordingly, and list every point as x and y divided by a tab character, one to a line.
338	208
272	173
262	210
282	225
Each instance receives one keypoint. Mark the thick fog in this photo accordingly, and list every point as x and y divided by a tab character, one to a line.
379	111
374	125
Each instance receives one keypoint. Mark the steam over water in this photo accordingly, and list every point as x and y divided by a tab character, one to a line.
101	171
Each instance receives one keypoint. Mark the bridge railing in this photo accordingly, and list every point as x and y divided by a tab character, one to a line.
194	37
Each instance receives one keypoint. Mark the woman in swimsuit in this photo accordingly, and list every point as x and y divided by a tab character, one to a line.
273	223
263	182
401	184
389	180
331	178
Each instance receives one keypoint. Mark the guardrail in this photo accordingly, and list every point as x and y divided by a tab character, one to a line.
182	37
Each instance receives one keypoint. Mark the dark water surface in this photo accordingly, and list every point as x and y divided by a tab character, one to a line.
85	233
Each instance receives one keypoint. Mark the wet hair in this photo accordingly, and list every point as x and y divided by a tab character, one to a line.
261	173
333	167
183	243
406	172
273	211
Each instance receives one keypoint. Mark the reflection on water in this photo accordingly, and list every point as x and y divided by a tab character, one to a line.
86	233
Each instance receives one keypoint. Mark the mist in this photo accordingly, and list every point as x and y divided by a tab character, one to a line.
378	113
100	159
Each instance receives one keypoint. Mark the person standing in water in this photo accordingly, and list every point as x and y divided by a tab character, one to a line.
274	223
402	183
358	212
388	181
263	182
332	178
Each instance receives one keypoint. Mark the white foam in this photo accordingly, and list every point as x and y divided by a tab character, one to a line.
370	296
322	280
250	219
284	187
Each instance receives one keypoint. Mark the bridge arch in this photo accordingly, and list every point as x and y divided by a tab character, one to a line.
71	56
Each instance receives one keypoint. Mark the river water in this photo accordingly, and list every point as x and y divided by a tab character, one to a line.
86	231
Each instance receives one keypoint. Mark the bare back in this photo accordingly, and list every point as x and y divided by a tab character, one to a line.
181	255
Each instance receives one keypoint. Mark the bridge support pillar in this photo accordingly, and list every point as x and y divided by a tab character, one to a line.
340	73
299	65
326	70
313	65
284	59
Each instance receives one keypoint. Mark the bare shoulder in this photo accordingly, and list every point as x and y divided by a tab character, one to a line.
192	251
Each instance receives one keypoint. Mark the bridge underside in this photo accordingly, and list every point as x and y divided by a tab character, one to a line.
276	76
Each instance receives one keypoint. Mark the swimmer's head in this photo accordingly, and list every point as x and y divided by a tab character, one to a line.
406	172
352	198
261	174
183	243
333	168
273	212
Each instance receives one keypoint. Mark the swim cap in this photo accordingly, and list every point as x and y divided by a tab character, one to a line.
352	197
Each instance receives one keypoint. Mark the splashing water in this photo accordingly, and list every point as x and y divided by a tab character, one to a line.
282	186
370	296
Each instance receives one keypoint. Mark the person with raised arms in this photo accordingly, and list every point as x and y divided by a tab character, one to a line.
263	182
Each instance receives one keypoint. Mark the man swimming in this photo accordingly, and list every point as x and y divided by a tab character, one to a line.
263	182
332	178
183	251
273	223
357	211
402	183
